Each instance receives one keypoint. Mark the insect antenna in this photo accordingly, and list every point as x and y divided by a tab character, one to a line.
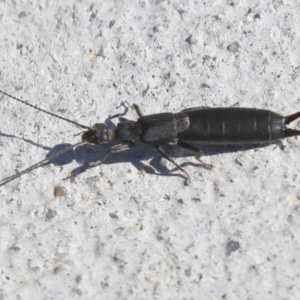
44	111
40	163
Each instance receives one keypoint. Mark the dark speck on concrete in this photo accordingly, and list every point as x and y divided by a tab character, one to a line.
234	47
231	247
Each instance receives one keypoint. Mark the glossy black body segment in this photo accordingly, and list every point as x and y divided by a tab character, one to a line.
158	129
128	131
161	129
232	125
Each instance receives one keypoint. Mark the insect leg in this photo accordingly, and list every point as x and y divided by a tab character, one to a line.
136	108
236	104
171	160
198	153
114	149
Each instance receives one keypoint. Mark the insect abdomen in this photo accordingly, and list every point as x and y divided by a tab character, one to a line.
232	126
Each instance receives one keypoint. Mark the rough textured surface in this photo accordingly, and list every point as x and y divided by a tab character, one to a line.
120	232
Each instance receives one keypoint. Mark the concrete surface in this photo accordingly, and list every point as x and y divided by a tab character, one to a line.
131	229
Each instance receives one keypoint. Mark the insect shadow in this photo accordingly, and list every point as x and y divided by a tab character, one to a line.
84	155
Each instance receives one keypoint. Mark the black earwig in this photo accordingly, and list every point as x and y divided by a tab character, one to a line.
201	125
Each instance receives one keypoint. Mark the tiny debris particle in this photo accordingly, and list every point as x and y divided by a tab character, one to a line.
113	216
196	199
145	91
59	191
187	272
22	14
234	2
101	52
92	17
51	213
172	84
205	86
155	29
231	247
249	11
187	62
77	291
257	16
111	23
59	269
206	58
15	248
190	40
234	47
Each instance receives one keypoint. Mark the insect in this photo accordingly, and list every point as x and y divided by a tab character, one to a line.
203	125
